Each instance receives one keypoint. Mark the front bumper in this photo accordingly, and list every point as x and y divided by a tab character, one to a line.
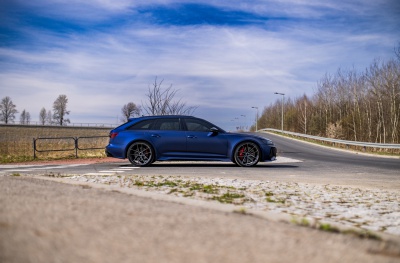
271	155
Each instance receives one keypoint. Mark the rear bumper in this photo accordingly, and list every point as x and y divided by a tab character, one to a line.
108	154
114	152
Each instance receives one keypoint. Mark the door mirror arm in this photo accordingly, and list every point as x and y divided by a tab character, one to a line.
214	130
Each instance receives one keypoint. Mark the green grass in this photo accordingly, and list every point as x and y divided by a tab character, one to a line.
228	197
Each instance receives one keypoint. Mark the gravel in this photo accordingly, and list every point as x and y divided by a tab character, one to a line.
308	204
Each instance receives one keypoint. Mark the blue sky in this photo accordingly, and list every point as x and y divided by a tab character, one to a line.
223	56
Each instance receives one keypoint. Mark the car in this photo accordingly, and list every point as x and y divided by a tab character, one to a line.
147	139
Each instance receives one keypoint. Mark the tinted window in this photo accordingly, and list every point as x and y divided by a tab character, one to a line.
143	125
167	124
198	125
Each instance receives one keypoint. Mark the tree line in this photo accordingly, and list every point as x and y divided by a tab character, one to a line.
159	102
349	105
8	111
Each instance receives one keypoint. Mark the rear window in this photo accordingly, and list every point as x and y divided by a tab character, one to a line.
143	125
167	125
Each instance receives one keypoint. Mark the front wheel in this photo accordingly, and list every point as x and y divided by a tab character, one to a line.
247	154
140	154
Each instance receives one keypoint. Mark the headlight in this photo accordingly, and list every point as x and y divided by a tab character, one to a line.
266	141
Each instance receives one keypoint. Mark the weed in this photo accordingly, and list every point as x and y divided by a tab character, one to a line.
15	174
173	190
278	200
228	197
138	183
208	189
168	183
328	228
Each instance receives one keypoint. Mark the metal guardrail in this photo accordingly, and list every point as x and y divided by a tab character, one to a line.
347	143
75	143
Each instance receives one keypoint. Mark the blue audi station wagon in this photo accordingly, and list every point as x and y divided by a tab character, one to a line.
145	140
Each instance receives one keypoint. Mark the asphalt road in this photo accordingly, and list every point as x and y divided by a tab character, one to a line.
297	161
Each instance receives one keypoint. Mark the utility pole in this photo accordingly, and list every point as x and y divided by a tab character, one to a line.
283	98
256	116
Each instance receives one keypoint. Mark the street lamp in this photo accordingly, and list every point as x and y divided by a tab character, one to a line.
256	116
283	98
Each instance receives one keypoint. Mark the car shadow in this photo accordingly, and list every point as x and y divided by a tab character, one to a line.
214	165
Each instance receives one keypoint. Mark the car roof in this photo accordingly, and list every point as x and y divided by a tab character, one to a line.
161	116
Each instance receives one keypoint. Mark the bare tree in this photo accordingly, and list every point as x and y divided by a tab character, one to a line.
161	102
42	116
397	51
129	110
7	110
348	105
25	117
49	117
60	110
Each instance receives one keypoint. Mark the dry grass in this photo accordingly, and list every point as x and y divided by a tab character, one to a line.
16	142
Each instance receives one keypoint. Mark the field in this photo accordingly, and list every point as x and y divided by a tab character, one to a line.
16	142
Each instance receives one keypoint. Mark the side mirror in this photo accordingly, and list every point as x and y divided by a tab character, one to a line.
214	130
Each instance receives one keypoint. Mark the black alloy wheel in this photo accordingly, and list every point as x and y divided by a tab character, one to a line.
140	154
247	154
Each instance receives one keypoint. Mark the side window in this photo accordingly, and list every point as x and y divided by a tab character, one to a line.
198	125
167	125
143	125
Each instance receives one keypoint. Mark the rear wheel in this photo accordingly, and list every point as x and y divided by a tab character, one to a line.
140	154
246	154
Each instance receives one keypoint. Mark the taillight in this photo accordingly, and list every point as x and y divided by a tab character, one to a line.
113	135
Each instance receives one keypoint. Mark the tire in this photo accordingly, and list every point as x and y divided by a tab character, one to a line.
140	154
246	154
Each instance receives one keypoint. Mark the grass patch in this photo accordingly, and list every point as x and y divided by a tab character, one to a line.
328	228
228	197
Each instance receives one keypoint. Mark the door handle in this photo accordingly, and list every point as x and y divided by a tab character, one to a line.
155	136
192	137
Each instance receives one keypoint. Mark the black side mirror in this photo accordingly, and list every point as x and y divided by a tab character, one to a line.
214	130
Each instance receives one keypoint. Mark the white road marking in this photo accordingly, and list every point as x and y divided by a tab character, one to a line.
31	168
114	171
281	159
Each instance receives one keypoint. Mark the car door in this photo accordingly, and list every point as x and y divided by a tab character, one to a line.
168	138
202	143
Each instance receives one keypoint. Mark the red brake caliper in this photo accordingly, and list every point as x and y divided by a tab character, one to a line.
241	152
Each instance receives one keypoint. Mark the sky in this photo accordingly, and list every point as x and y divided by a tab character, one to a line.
223	56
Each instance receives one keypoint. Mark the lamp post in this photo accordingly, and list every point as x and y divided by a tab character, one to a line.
283	98
256	116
